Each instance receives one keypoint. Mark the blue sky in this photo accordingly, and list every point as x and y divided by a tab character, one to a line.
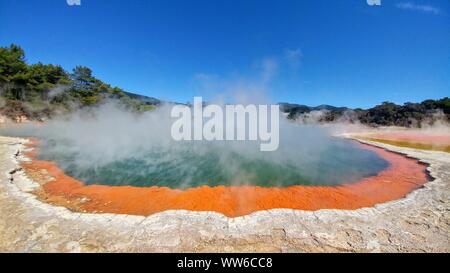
342	52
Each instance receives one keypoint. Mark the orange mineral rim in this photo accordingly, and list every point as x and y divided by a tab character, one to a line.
401	177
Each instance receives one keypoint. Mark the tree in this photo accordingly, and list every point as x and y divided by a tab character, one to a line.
12	62
43	78
82	79
85	86
13	71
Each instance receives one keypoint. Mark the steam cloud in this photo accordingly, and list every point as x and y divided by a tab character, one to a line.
99	137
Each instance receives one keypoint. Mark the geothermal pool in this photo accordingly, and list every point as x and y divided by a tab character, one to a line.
181	167
370	176
121	163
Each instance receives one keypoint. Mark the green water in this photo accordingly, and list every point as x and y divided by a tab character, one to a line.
338	162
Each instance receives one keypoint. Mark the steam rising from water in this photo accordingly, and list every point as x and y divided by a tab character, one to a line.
113	146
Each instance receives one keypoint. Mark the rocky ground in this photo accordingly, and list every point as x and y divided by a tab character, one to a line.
419	222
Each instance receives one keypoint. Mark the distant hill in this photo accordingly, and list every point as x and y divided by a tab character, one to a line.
144	99
328	108
289	107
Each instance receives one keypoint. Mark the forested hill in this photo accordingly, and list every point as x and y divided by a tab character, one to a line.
40	91
409	114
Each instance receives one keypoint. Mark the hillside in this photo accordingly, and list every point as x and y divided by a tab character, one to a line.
40	91
409	114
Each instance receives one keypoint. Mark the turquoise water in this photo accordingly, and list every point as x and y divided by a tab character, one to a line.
185	166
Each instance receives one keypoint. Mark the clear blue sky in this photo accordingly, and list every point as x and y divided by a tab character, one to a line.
342	52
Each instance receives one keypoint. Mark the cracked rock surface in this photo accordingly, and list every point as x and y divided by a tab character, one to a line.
420	222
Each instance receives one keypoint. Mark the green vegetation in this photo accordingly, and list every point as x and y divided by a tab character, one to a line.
386	114
40	91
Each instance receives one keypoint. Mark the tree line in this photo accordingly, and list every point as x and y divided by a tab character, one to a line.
387	113
40	91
